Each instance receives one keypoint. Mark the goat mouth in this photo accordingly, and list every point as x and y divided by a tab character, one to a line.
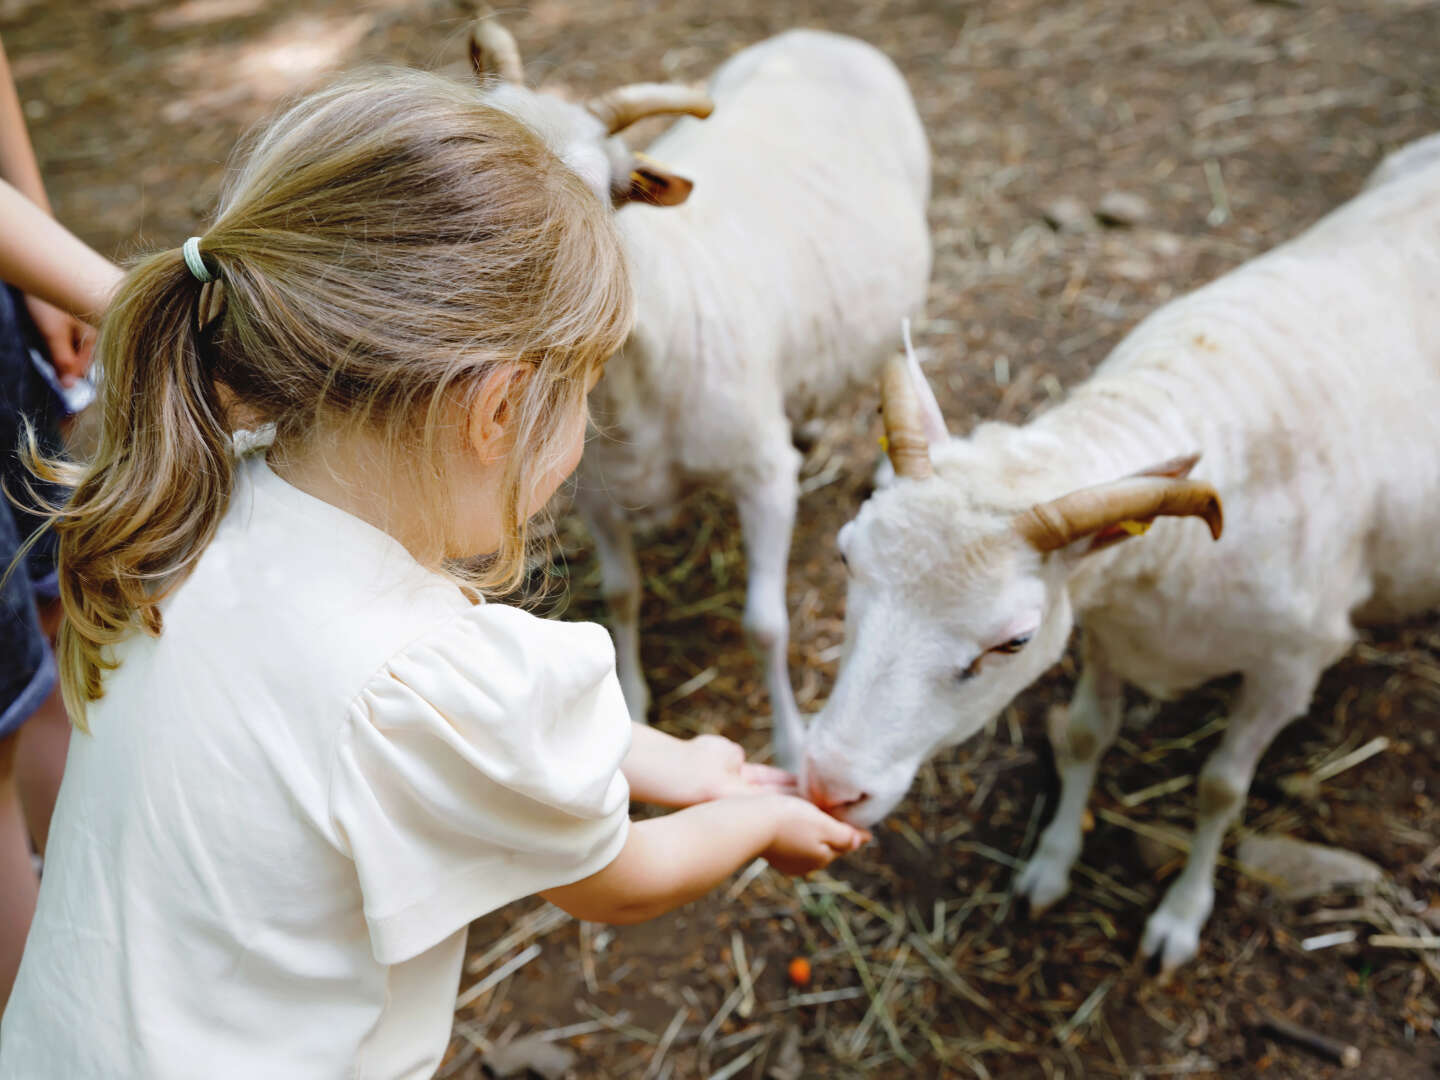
862	812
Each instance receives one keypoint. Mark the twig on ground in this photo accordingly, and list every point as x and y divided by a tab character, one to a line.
733	1067
1086	1010
617	1023
665	1040
820	997
946	970
1341	1053
499	975
536	924
877	1005
742	972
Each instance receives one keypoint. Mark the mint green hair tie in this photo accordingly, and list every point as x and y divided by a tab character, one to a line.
191	251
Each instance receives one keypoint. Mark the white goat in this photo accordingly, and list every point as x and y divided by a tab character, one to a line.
761	301
1310	380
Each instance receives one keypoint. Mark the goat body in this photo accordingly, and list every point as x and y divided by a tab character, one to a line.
1309	382
762	300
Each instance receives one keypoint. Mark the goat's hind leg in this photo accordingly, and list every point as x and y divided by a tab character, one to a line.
767	518
1269	700
1091	726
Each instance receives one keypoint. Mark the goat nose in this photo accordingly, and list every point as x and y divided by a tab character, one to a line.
827	793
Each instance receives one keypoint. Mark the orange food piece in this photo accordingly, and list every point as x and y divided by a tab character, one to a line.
799	971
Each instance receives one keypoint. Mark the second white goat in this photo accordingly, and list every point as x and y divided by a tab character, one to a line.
762	300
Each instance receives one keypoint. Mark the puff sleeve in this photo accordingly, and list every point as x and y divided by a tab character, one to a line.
480	765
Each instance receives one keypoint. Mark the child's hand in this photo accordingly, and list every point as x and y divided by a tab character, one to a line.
675	772
719	769
69	340
807	838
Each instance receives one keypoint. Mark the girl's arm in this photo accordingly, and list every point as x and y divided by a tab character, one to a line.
63	280
42	258
671	860
667	771
17	157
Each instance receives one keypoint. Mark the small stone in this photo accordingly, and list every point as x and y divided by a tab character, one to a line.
1164	244
1134	268
1295	870
530	1054
1068	214
1122	208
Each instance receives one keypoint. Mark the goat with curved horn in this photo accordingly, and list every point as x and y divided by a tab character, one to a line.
1127	505
493	50
619	108
905	440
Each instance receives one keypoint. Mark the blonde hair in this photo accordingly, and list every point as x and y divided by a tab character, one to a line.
385	244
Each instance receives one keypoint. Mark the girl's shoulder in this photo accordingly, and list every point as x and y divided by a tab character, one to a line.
498	663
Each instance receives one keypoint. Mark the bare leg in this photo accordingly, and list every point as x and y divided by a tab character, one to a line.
620	579
1268	701
767	517
40	762
1093	723
18	886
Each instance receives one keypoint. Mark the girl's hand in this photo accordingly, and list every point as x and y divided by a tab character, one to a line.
68	339
807	838
719	769
675	772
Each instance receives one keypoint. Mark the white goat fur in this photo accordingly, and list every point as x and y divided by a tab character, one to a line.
761	301
1309	378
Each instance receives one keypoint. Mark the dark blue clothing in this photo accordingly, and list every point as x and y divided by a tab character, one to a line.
27	666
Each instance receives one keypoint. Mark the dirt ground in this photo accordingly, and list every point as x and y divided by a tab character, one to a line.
1238	122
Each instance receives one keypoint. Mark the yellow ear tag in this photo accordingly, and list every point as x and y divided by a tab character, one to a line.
884	443
1135	528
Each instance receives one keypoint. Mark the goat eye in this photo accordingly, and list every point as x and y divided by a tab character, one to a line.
1014	645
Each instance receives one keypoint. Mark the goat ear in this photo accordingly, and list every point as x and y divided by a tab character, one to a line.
1095	518
650	182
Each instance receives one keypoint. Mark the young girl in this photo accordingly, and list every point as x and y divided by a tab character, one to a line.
312	758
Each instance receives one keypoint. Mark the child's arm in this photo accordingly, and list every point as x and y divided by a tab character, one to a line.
42	258
669	861
64	281
667	771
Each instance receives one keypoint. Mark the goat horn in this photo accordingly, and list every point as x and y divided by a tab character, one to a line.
619	108
1139	499
904	434
492	47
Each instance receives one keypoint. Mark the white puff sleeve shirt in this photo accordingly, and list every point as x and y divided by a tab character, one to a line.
292	803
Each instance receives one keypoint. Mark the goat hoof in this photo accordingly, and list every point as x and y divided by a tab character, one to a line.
1170	941
1041	885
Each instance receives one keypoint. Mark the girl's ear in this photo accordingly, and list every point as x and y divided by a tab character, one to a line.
492	409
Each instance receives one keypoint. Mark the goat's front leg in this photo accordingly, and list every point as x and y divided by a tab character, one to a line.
1078	742
767	517
1268	701
620	582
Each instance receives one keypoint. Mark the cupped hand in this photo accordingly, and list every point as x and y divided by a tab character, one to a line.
69	340
720	770
807	838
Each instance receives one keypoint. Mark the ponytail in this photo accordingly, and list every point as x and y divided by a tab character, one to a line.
147	503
